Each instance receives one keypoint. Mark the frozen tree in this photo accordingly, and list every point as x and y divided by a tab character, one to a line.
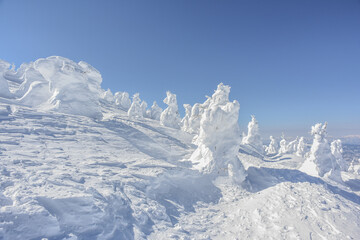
194	119
355	166
283	145
143	106
155	111
170	117
253	137
135	111
185	122
4	87
108	96
301	148
273	147
122	100
337	150
292	146
320	160
219	137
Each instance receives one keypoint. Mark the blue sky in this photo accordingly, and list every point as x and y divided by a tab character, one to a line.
291	63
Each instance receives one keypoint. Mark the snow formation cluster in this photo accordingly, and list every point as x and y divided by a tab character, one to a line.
170	117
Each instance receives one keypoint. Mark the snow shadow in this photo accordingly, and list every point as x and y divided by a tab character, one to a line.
262	178
138	139
180	191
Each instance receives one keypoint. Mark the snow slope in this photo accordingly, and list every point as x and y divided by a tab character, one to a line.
71	176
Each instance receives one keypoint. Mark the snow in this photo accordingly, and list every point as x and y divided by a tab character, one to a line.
273	147
69	175
320	160
219	137
253	138
155	111
135	110
170	117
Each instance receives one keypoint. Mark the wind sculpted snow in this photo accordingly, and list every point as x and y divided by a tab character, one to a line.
69	175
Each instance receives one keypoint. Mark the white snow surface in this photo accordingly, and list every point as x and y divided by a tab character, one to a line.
253	137
65	175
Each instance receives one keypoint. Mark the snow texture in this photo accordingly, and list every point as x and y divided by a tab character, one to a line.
170	117
4	86
337	150
65	175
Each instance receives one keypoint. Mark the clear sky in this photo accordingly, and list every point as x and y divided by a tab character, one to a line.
291	63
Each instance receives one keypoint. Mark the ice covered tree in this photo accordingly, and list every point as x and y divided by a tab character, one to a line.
155	111
4	87
355	166
143	106
122	100
219	137
273	147
253	137
283	145
185	122
135	111
301	147
320	160
337	150
108	96
170	117
292	146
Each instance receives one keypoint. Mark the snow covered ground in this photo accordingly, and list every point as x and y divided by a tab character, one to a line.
66	176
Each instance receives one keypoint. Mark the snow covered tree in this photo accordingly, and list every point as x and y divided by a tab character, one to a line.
135	111
301	148
355	166
320	160
143	106
170	117
4	87
292	146
337	150
219	137
273	147
185	122
253	137
283	145
122	100
155	111
108	96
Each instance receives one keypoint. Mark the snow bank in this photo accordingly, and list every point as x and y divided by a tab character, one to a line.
273	147
320	160
108	96
170	117
292	146
59	84
253	137
219	137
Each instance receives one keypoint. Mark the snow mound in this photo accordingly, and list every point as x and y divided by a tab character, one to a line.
59	84
219	137
135	111
4	86
273	147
